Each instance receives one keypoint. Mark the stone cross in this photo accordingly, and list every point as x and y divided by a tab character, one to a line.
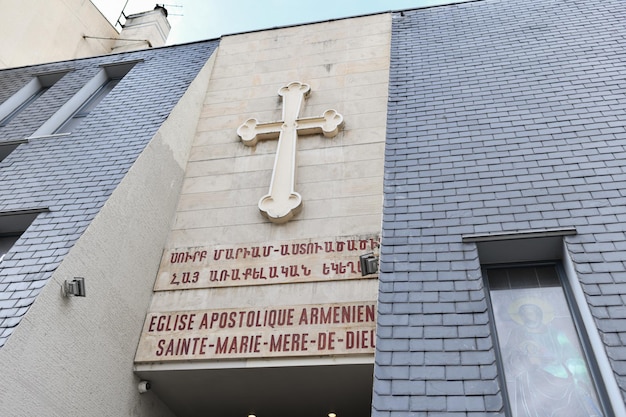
282	202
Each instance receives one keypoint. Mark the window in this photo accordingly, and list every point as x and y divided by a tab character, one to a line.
546	360
13	225
9	146
6	242
73	122
27	95
74	111
22	106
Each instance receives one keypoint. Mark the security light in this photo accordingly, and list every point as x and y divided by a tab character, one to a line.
369	264
74	288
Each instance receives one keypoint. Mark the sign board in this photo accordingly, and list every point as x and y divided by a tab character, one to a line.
261	332
283	262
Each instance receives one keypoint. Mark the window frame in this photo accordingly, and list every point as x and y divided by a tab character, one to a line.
74	120
9	117
16	223
6	148
83	96
7	237
577	320
28	94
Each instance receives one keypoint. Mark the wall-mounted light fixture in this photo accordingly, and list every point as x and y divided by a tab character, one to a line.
74	288
369	264
144	386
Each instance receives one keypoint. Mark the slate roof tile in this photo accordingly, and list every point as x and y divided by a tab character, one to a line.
506	116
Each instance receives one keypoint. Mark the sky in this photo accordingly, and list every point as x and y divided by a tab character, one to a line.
194	20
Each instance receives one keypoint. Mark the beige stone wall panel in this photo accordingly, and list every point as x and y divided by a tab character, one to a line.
255	296
357	224
340	179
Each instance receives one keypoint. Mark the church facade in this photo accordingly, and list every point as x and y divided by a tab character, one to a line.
408	213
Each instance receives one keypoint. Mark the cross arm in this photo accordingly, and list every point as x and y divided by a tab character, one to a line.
251	131
328	124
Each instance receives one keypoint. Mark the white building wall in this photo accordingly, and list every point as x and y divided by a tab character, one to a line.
36	31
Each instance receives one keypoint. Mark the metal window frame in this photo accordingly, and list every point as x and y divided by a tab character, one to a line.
16	223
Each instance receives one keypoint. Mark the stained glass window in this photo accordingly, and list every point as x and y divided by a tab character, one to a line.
546	371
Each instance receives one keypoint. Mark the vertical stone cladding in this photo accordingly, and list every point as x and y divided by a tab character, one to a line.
74	175
346	64
503	116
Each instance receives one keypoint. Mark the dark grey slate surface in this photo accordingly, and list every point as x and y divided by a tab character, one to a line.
74	175
503	116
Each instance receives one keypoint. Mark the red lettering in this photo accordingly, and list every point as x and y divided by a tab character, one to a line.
258	274
362	339
223	275
314	315
152	323
233	345
204	323
290	342
238	344
370	312
325	318
275	342
326	341
303	318
299	342
182	346
273	272
172	323
220	345
235	275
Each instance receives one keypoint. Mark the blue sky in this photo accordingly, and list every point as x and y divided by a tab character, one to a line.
208	19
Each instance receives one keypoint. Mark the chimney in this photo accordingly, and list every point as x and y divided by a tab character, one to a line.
143	30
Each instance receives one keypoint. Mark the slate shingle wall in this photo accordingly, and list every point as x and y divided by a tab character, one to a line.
503	116
74	175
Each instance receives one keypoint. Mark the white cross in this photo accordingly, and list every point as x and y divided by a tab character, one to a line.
282	202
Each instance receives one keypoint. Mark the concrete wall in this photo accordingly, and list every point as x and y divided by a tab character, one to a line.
34	31
145	30
73	356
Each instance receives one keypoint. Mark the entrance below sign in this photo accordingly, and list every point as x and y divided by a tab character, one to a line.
287	391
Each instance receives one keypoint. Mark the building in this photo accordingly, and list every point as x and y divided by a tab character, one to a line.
476	150
35	32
